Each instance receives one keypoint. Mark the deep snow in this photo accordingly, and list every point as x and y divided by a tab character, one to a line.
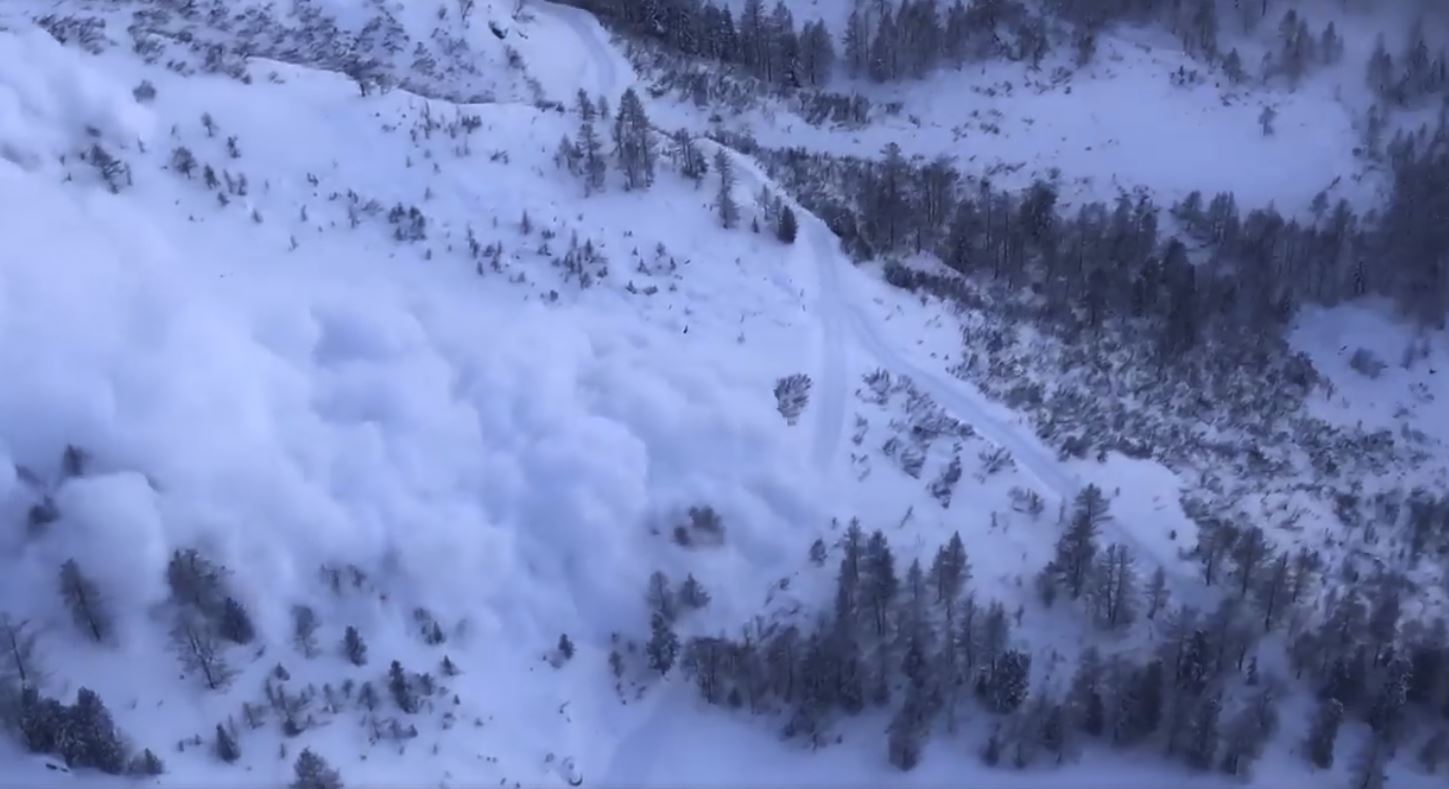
510	460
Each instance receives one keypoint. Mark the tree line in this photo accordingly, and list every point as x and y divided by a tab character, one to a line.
920	645
1229	275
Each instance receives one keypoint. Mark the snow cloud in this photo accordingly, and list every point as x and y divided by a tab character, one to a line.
491	459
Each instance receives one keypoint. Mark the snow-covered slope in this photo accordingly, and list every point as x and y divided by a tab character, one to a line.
349	344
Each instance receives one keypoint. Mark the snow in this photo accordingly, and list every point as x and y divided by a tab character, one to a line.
505	449
49	103
1120	124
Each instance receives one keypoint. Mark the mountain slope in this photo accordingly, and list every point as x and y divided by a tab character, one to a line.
405	366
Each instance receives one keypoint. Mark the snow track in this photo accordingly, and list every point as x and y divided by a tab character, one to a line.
840	308
605	72
830	414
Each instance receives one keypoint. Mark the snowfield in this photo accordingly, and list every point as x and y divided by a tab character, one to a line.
270	369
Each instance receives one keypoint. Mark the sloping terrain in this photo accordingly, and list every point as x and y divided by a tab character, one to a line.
342	322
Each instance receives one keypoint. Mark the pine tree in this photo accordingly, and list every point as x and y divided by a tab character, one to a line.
1010	682
692	593
660	596
729	210
1248	554
634	142
1272	590
1387	709
1323	733
592	153
906	735
147	764
1214	540
1077	546
817	54
88	736
39	720
304	630
197	581
687	156
199	650
1202	733
353	647
1084	701
226	745
565	647
880	582
1248	731
1114	587
182	161
950	572
313	772
401	688
786	229
1157	592
884	50
87	606
663	645
857	44
236	624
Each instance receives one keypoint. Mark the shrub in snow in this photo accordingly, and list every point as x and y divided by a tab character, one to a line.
1367	363
146	764
313	772
792	394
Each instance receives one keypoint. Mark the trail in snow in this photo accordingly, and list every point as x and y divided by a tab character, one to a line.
830	415
586	29
1035	461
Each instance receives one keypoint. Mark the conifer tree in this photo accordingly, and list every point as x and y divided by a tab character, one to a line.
634	142
663	645
1323	733
88	736
353	647
226	745
313	772
786	229
729	210
87	607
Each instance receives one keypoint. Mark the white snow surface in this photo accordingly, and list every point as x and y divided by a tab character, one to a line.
506	449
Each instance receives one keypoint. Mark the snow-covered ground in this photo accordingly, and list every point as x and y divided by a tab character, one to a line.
1121	123
270	375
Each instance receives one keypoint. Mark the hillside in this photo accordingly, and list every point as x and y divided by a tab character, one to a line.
316	336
